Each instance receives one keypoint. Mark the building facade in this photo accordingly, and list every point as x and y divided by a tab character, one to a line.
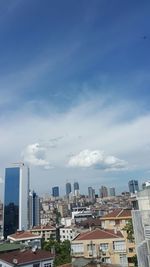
112	191
16	195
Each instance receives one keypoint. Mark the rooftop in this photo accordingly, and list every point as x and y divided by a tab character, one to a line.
118	213
27	256
20	235
43	227
99	234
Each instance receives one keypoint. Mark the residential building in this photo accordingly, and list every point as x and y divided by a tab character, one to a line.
16	195
103	192
67	233
55	191
46	232
117	220
145	184
34	209
105	246
27	238
133	186
141	223
27	258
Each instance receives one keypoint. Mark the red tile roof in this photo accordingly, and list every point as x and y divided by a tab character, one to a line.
99	234
23	235
118	213
28	256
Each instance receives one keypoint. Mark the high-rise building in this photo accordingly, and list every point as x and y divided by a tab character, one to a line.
76	186
34	209
103	192
112	191
55	191
68	188
16	195
133	186
76	189
91	194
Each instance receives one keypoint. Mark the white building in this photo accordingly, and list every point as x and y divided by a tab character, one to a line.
141	223
67	233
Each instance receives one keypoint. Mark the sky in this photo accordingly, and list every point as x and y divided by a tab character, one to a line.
74	91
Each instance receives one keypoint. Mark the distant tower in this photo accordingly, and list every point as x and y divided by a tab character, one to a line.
91	194
103	192
76	189
133	186
55	191
16	194
34	209
68	189
112	192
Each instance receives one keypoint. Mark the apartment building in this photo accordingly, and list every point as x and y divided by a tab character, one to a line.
105	246
118	219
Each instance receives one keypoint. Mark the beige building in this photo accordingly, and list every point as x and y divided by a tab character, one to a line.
46	231
105	246
118	219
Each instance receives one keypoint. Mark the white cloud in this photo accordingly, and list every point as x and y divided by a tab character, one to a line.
35	155
98	159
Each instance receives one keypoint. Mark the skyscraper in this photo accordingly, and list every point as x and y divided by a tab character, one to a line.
133	186
112	191
91	194
34	209
76	186
68	188
103	191
55	191
76	189
16	198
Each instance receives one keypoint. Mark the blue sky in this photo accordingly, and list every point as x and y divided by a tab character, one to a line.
74	79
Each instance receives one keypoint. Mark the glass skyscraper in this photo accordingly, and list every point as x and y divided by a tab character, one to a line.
133	186
55	191
68	189
16	198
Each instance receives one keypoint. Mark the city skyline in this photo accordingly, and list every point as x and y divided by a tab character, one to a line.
74	91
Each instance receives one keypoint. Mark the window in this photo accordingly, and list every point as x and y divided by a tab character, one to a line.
47	265
77	248
131	250
36	264
104	246
119	246
123	260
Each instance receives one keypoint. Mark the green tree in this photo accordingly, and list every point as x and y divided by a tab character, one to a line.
61	249
129	230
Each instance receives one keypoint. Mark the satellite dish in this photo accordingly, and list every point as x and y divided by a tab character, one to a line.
15	261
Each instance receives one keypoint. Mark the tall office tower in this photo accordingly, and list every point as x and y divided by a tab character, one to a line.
133	186
55	191
34	209
112	191
76	189
103	192
91	194
16	194
68	188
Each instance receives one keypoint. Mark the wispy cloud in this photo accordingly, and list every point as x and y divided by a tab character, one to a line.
35	155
